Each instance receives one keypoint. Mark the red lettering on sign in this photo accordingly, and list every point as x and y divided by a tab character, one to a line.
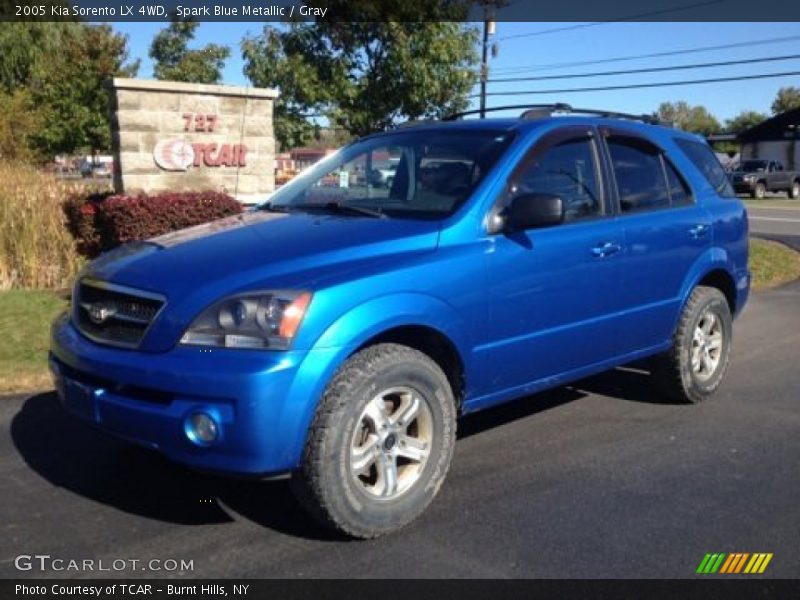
241	155
199	151
207	156
224	156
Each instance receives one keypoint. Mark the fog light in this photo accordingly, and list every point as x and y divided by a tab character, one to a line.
202	429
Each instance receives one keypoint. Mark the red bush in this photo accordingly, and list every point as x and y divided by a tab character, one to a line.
102	223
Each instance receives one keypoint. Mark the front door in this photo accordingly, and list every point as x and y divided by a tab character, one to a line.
554	291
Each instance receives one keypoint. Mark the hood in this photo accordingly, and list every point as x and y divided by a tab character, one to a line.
257	250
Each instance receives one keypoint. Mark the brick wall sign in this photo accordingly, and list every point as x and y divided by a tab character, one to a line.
180	136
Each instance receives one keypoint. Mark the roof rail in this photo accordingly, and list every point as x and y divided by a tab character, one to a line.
558	107
542	111
415	123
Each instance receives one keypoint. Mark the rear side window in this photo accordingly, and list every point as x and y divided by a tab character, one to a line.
706	162
639	173
678	190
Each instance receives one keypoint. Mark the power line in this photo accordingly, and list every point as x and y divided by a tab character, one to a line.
643	85
650	70
619	20
564	65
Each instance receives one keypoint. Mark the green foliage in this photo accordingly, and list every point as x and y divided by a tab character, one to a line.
788	98
20	120
54	76
174	61
744	120
695	119
363	76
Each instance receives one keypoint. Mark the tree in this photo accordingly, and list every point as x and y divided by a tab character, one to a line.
53	89
744	120
695	119
19	122
174	61
363	76
788	98
73	90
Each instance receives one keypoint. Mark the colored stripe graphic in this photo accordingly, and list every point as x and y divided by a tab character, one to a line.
734	563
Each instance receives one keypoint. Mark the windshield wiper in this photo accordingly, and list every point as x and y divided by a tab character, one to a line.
270	207
342	208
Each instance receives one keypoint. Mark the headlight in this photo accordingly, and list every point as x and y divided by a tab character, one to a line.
749	178
254	320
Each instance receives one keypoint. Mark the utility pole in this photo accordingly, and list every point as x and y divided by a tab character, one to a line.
488	29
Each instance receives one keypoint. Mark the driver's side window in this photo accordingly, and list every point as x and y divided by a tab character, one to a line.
567	169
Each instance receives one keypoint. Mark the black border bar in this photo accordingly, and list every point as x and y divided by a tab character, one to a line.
580	12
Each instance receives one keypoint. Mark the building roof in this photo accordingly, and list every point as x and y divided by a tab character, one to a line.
780	127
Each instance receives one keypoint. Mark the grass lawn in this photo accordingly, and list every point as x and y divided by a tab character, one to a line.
25	317
772	264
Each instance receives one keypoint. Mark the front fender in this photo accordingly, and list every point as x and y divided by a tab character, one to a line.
344	336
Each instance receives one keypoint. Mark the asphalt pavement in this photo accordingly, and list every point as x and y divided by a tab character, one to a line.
597	479
776	222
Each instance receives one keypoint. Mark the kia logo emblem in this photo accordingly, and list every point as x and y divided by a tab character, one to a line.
99	313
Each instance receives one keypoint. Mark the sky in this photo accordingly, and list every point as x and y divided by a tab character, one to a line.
534	55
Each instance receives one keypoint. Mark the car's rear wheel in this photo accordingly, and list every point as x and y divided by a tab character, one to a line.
694	367
380	444
794	191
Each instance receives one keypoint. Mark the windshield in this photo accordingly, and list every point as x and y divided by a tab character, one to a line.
410	174
754	165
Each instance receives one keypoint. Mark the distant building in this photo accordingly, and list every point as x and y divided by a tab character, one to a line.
777	138
289	164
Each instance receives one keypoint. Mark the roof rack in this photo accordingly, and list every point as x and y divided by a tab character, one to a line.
542	111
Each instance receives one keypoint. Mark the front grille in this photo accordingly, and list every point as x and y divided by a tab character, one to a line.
114	314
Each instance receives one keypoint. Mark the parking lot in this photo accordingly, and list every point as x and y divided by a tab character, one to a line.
597	479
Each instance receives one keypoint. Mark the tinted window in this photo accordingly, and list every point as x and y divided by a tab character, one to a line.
706	162
639	174
678	190
567	170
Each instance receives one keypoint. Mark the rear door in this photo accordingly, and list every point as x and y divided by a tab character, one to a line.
665	231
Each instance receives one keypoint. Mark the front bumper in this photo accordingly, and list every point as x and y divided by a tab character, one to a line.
744	187
262	401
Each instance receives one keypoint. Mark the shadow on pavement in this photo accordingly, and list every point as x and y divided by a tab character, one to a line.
71	454
633	383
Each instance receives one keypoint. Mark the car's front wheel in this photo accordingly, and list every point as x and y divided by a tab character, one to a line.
694	367
380	444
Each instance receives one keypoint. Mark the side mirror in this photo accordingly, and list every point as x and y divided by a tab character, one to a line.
534	210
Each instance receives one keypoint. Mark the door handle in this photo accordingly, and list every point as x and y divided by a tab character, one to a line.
698	231
605	249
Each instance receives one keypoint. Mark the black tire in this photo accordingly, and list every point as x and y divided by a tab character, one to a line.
673	370
759	191
325	484
794	191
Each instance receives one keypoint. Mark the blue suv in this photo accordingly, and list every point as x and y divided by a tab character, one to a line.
336	332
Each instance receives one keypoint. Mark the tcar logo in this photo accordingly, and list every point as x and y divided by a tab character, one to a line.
173	155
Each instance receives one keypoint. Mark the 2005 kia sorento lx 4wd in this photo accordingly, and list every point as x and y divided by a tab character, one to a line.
337	332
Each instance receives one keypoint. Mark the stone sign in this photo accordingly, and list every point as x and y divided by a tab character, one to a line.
172	136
